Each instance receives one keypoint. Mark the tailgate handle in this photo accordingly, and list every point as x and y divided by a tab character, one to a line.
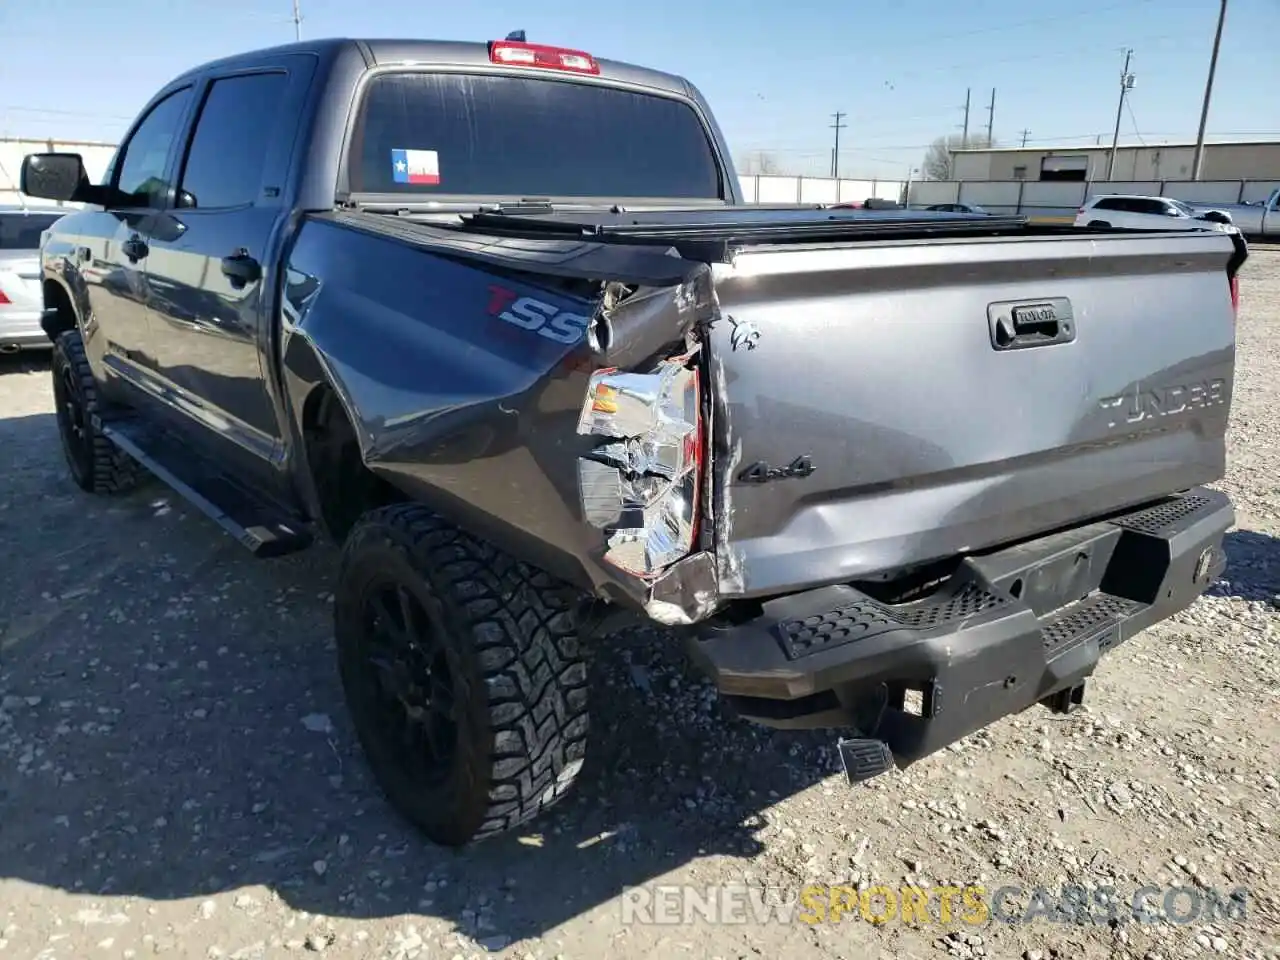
1019	324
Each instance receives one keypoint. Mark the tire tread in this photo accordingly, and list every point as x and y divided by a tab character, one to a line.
112	471
520	625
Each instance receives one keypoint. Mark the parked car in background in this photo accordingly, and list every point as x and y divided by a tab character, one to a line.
1260	219
957	208
21	300
1147	213
871	203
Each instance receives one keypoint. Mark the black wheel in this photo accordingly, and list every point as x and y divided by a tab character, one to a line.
1099	223
97	465
463	673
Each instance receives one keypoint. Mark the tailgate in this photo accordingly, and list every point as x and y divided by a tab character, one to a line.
883	406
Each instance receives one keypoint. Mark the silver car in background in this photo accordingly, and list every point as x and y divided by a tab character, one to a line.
21	301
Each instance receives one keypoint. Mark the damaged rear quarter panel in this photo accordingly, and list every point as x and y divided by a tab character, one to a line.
463	382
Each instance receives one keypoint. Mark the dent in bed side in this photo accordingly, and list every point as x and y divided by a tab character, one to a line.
464	384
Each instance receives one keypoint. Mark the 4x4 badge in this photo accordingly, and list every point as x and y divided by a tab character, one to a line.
761	472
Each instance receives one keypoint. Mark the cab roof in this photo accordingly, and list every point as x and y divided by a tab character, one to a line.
452	53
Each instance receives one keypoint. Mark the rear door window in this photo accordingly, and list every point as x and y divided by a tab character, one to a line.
232	136
474	135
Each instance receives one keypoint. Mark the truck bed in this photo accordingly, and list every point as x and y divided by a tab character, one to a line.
928	421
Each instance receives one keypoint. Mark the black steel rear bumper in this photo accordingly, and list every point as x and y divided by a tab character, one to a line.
1011	628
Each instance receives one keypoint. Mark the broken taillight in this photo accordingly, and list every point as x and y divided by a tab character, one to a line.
520	54
642	486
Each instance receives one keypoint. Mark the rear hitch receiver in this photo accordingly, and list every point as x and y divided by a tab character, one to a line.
1066	701
864	759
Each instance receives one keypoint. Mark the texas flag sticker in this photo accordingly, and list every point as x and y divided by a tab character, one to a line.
416	166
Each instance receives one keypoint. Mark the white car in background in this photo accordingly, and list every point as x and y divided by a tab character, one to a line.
1148	213
21	298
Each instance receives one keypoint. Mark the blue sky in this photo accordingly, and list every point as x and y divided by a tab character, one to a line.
773	72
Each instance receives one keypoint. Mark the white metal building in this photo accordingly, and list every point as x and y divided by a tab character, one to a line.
1228	160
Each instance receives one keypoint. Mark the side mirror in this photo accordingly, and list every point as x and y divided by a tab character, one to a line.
53	176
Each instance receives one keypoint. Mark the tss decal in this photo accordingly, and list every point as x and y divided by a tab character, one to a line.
536	316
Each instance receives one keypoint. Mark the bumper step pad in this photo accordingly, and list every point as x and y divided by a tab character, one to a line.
1011	628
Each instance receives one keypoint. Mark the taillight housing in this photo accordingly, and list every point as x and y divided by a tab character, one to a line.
643	486
517	53
1235	295
4	300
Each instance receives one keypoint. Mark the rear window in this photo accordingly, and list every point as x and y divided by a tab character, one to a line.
422	133
21	231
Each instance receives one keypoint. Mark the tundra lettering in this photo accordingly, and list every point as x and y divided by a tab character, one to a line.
1165	401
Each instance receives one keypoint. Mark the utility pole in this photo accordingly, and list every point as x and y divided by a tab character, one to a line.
835	154
297	20
1208	92
1025	134
964	137
1126	84
991	117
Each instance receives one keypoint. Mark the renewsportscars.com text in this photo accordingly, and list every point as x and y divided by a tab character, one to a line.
947	905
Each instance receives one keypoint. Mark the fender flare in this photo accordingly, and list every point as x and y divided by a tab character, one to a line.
50	323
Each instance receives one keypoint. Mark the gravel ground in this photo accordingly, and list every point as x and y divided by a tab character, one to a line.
178	776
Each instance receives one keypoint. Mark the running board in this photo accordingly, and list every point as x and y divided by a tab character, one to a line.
261	528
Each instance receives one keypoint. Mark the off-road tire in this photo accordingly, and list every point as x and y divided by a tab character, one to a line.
515	664
96	464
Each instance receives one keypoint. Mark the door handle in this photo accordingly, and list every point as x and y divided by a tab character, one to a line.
135	248
241	268
1017	325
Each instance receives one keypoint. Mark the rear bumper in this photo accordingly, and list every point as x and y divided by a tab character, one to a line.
1009	629
21	328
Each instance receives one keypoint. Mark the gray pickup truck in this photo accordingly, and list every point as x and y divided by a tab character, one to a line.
493	317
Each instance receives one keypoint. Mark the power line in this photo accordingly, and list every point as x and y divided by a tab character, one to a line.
835	153
1025	133
1061	54
1134	120
1078	15
1095	138
64	113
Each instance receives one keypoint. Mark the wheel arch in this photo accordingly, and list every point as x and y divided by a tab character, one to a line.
326	439
61	313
